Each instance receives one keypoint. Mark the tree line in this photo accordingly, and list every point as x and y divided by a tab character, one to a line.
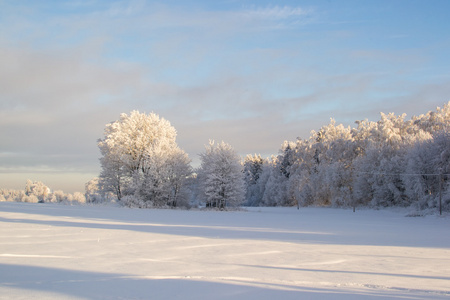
144	167
391	162
38	192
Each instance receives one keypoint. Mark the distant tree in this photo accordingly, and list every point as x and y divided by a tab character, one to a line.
78	198
165	183
58	196
221	180
275	190
92	191
178	172
434	121
286	159
379	180
36	191
261	187
427	162
253	168
141	160
368	165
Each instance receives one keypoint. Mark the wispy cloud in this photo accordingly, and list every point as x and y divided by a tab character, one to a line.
277	12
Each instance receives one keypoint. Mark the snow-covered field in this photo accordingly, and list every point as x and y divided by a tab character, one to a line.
50	251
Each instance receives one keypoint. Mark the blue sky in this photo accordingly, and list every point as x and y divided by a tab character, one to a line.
251	73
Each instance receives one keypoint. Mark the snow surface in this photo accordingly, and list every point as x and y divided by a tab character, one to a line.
50	251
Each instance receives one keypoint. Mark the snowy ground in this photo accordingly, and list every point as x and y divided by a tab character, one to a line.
50	251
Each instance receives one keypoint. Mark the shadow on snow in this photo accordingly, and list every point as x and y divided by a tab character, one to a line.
61	283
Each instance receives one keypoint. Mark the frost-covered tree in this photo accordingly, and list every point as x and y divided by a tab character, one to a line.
36	191
141	160
259	188
178	172
275	192
334	151
221	178
427	163
165	180
92	191
286	159
320	168
434	121
367	165
78	197
379	171
253	168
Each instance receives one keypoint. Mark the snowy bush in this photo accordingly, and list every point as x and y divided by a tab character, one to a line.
136	202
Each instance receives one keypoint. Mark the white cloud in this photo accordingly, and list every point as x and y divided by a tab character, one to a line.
277	12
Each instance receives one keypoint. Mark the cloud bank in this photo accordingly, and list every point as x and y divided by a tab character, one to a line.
252	75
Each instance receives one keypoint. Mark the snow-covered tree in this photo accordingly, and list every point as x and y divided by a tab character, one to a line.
36	191
427	163
259	188
221	178
178	172
275	192
286	159
253	168
379	171
141	160
344	166
92	191
434	121
165	179
78	198
275	188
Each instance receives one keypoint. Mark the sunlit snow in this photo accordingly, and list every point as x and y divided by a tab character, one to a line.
51	251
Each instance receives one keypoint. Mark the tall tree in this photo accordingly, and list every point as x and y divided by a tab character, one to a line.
253	168
221	176
140	159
